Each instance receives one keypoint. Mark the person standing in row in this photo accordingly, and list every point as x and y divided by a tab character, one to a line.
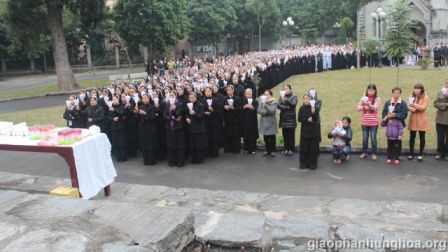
175	136
212	122
197	135
394	115
73	113
418	120
368	106
148	135
441	104
118	129
287	106
309	133
249	122
268	122
94	114
232	122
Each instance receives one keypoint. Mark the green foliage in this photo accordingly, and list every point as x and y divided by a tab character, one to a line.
211	19
399	26
425	63
262	10
26	28
370	46
344	31
155	24
309	34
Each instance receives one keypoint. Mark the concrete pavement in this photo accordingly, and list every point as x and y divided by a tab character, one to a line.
425	181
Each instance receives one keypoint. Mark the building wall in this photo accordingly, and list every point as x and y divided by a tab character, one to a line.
432	14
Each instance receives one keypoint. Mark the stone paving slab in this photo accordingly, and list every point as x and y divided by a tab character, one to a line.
222	218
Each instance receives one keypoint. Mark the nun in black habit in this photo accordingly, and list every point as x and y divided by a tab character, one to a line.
160	106
232	122
148	135
118	129
249	122
73	113
212	115
309	133
175	131
131	124
197	134
94	113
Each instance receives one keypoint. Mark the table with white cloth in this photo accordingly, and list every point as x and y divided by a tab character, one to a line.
89	160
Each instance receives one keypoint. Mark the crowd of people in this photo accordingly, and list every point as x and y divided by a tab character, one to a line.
193	109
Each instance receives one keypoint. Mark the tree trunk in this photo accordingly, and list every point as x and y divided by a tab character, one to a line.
89	55
358	50
66	79
32	65
45	64
4	68
398	74
117	57
259	38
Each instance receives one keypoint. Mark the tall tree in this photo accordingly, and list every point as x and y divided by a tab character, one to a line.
48	13
399	37
262	10
210	19
154	24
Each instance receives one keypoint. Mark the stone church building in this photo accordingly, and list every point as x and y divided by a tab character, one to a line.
431	17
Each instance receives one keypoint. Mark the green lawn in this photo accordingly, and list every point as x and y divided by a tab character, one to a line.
339	90
50	115
51	88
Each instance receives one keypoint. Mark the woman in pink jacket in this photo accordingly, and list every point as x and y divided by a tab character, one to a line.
368	106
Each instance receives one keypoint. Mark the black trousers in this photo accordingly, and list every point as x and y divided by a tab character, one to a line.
197	156
413	135
269	142
250	145
232	144
442	139
393	149
149	157
289	138
176	157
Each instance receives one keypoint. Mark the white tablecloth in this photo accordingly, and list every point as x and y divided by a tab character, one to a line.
92	159
94	164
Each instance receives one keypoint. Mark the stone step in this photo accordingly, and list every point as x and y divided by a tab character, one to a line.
234	219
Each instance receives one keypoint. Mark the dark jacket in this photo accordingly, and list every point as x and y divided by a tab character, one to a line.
197	120
147	129
174	119
119	112
215	116
287	109
401	111
73	117
308	129
96	113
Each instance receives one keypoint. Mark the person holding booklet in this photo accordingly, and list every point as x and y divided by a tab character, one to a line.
418	120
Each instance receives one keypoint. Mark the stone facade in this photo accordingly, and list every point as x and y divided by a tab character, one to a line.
431	17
